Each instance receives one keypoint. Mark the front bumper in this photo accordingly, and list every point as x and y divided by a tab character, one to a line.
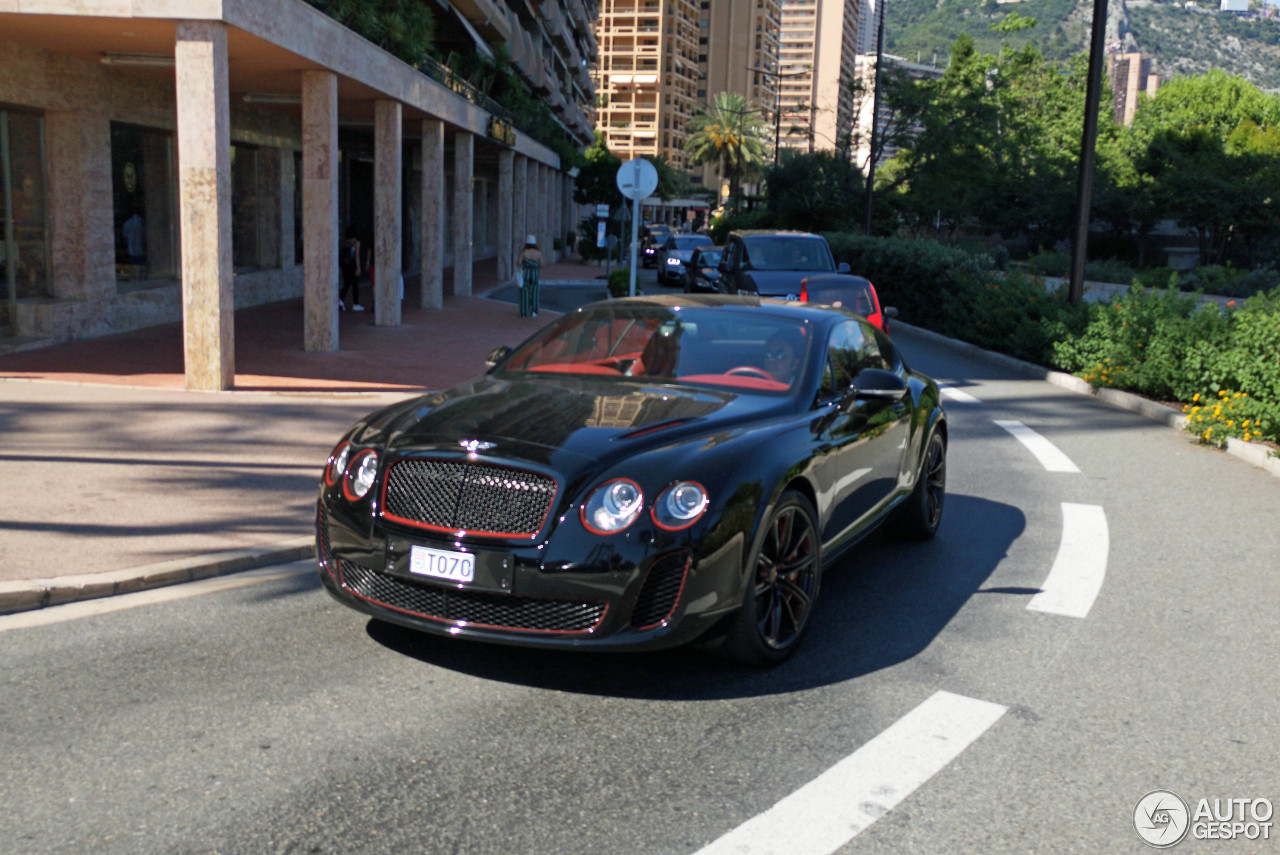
637	590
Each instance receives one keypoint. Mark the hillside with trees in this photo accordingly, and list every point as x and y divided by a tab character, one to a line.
1184	39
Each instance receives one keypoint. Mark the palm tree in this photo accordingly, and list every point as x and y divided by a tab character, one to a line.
730	133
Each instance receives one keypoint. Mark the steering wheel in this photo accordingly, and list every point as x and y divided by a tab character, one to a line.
751	369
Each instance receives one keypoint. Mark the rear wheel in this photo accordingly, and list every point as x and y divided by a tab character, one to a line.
922	513
784	576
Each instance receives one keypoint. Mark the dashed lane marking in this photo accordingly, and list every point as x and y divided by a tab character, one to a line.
1046	452
1078	571
958	395
833	808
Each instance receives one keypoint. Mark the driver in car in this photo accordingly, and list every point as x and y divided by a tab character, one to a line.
782	356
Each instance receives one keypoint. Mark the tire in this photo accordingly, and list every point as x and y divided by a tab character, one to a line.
777	607
922	514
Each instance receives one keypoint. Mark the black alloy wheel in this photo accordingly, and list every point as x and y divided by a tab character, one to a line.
784	577
922	513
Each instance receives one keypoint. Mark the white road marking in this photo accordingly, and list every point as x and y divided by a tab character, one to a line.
1076	577
106	605
957	394
1046	452
833	808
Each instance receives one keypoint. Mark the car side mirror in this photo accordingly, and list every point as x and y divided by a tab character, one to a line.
890	312
496	355
843	267
879	384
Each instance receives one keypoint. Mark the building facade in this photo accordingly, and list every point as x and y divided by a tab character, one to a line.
866	111
1131	73
175	161
647	77
818	48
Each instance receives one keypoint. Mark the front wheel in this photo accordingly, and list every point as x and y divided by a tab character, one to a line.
922	513
784	575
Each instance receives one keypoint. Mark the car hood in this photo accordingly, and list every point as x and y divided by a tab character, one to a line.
780	283
566	423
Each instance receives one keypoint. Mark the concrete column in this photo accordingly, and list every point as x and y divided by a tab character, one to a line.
519	204
506	258
464	161
288	182
432	280
320	236
204	155
566	205
557	210
387	137
545	207
80	225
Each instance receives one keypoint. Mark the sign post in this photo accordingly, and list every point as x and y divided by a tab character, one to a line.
637	179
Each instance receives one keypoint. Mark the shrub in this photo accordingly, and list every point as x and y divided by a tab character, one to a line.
1214	418
620	283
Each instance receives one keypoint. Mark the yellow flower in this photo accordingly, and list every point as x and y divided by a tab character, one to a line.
1222	393
1195	397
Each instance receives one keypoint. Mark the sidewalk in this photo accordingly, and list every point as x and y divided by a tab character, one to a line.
118	479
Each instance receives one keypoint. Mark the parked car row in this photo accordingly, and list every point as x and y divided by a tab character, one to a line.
791	265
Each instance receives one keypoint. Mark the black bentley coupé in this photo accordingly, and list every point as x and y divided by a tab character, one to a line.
639	474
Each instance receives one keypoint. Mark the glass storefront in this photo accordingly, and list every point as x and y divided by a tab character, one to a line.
24	243
144	193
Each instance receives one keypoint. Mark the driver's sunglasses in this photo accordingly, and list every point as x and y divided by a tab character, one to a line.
780	353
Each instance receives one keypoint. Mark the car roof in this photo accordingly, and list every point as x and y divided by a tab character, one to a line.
766	233
814	313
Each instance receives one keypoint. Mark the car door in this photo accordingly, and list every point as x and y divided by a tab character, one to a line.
862	439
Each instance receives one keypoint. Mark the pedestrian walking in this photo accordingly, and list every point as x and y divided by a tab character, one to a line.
349	258
530	263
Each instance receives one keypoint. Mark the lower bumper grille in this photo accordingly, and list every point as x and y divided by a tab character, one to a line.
474	608
661	590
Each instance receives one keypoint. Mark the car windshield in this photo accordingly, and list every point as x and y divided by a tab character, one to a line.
709	257
688	241
746	350
774	252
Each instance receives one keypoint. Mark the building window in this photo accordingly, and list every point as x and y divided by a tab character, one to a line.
255	202
24	256
144	209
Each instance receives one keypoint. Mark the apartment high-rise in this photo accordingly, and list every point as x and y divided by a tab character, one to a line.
818	48
1131	73
647	77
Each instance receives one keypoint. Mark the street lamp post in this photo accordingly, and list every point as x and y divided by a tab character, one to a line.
869	196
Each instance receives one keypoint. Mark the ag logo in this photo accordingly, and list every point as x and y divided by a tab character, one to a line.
1161	819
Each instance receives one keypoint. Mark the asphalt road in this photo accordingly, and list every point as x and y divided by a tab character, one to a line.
267	718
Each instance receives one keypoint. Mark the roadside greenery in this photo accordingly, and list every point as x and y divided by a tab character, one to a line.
1221	362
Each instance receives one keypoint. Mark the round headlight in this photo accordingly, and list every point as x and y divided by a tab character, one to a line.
337	464
364	469
680	505
612	507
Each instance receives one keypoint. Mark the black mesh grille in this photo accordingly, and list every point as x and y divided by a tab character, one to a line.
470	497
661	588
528	614
322	543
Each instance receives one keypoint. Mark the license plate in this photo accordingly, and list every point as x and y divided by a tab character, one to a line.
442	564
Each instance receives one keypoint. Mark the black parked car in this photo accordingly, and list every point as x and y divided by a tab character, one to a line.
641	473
774	263
700	273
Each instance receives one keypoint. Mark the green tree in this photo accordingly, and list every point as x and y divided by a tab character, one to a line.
1206	147
730	133
405	28
597	181
813	192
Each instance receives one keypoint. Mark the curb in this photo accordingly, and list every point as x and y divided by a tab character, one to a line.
31	594
1252	453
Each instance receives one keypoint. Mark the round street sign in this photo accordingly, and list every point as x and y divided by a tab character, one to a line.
637	178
